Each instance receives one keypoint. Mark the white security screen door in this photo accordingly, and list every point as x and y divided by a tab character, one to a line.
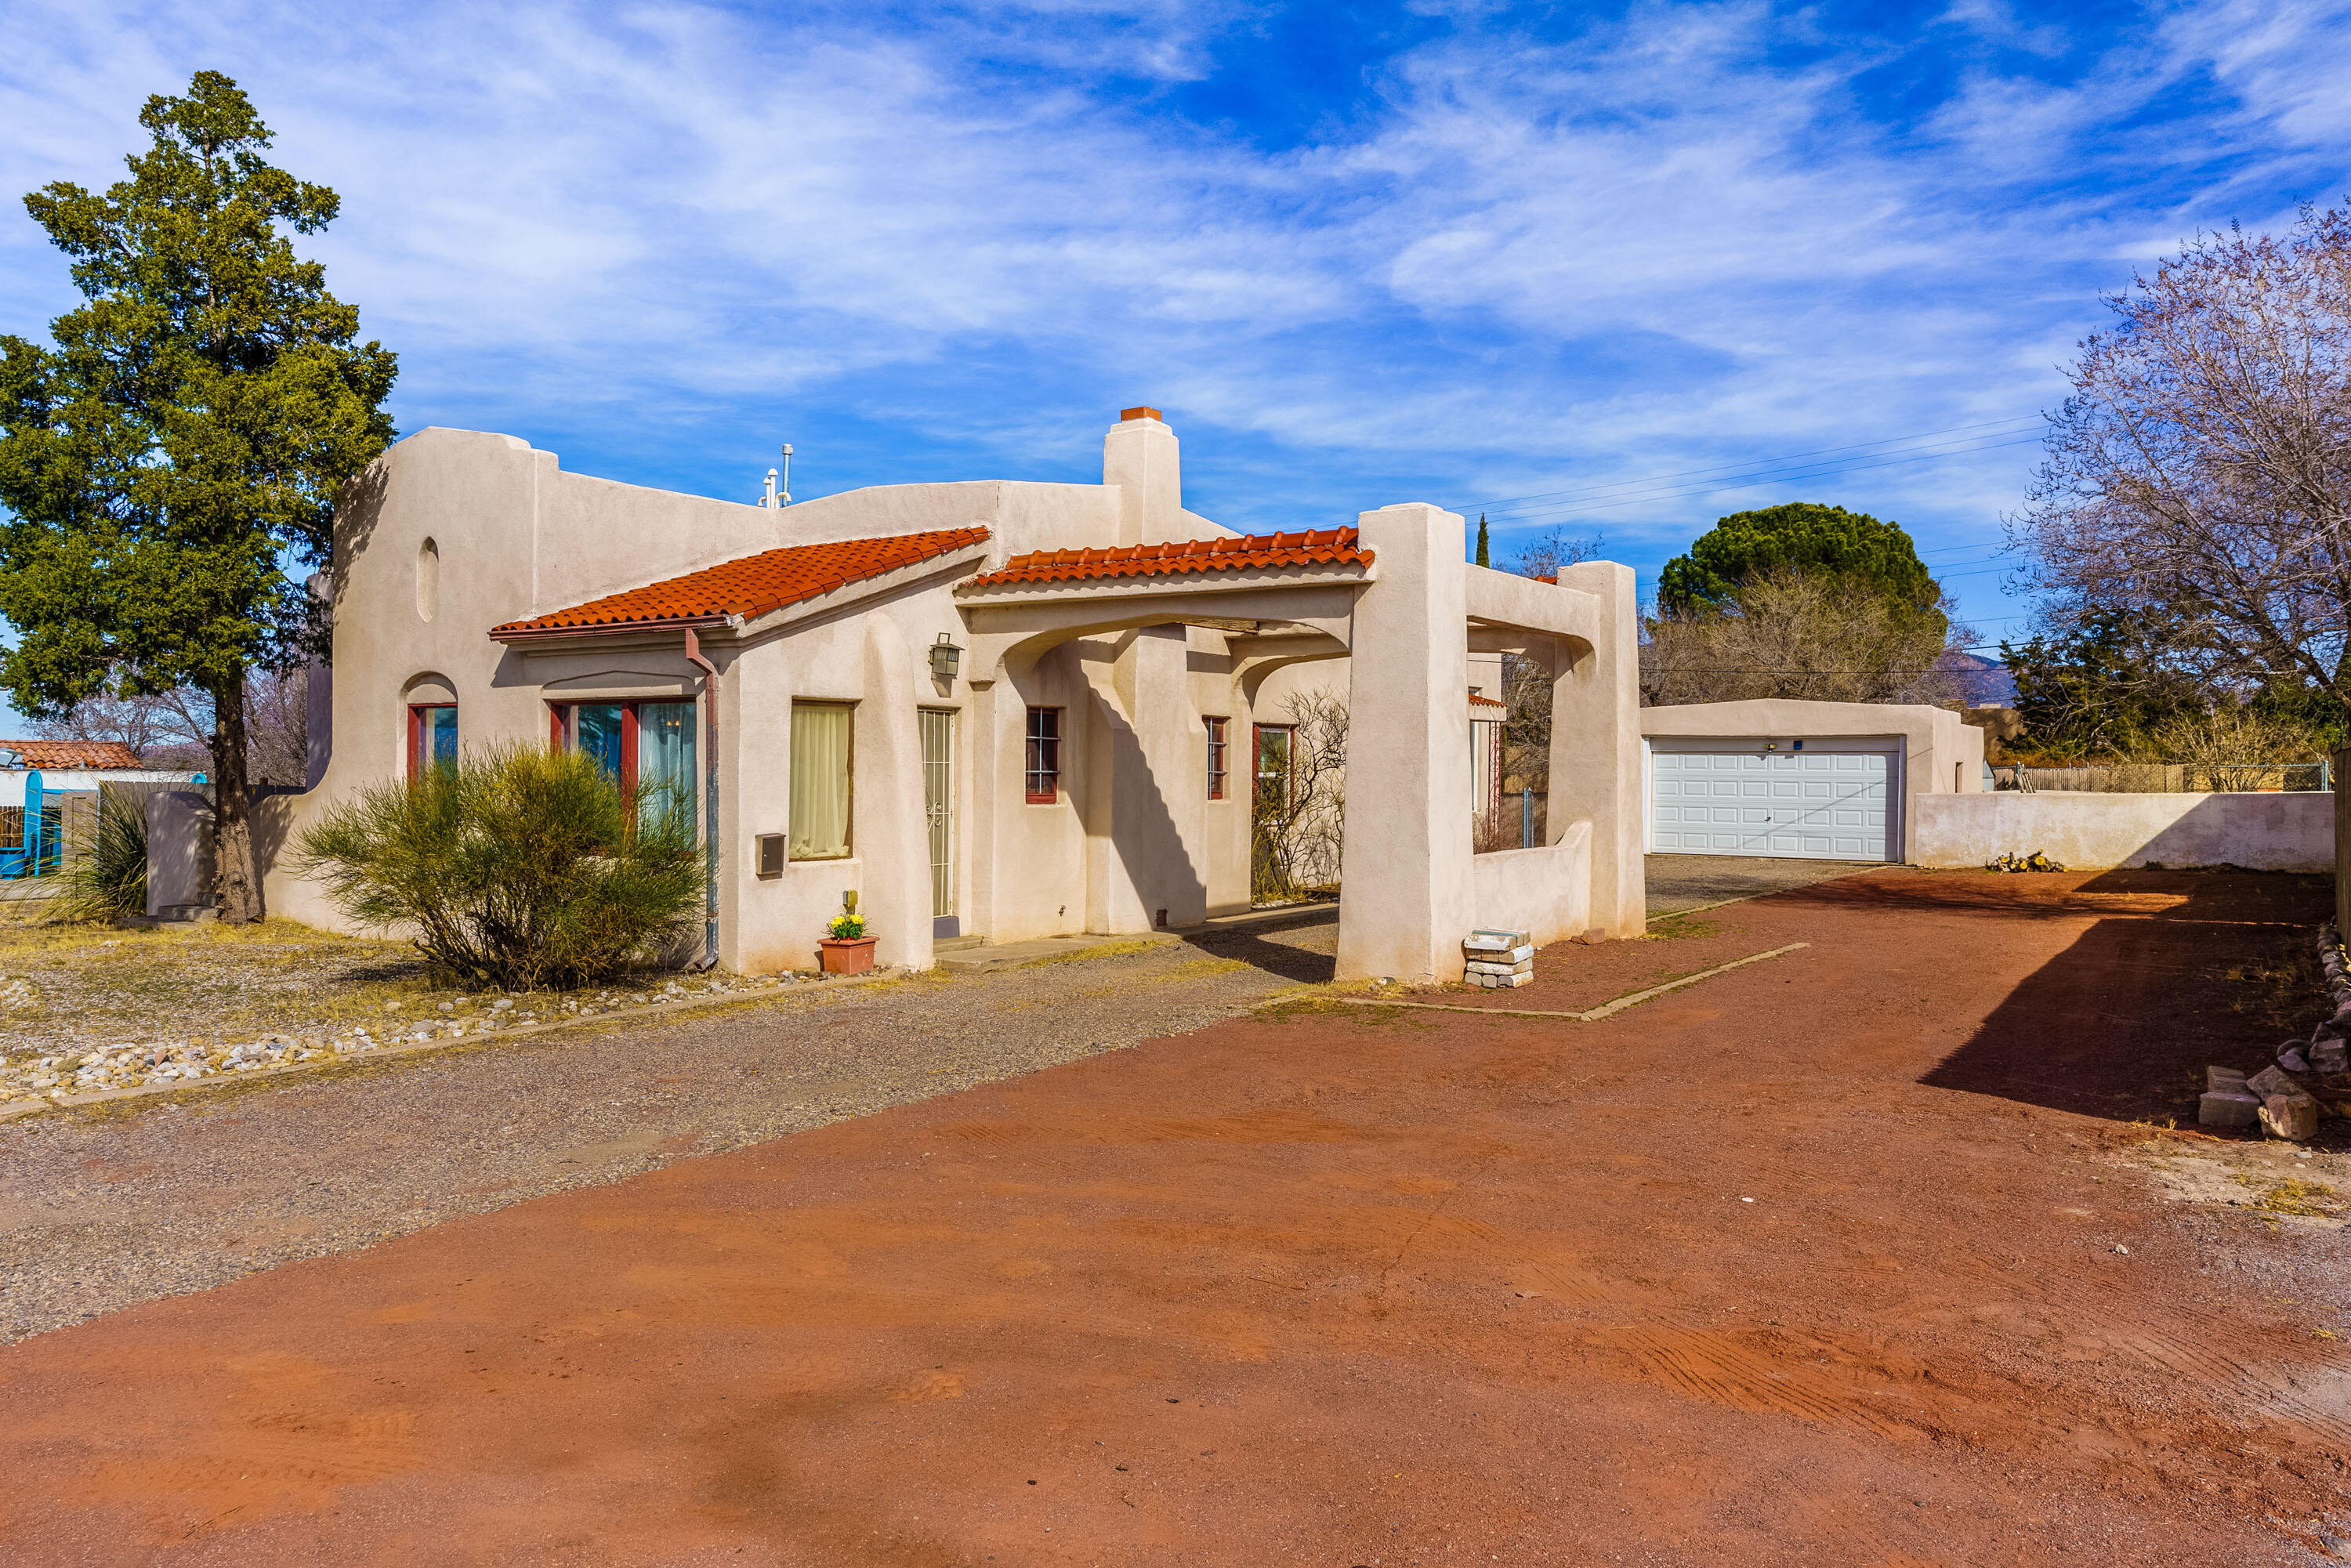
1800	805
938	805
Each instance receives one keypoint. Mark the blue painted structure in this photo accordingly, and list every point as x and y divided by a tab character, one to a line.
41	851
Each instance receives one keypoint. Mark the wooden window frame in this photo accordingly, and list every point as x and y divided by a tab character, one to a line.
416	712
1028	774
1220	747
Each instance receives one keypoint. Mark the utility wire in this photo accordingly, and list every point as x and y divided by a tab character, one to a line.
1760	461
1710	488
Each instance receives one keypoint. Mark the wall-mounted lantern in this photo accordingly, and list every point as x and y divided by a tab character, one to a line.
945	658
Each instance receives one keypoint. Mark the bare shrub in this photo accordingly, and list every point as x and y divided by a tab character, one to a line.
1797	635
1295	842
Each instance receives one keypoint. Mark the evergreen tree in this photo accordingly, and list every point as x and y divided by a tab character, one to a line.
172	464
1485	557
1802	535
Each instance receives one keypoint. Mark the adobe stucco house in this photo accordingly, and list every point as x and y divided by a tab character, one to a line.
998	708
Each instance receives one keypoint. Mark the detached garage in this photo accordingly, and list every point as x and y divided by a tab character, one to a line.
1800	780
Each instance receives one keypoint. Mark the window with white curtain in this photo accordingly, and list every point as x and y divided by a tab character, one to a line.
821	756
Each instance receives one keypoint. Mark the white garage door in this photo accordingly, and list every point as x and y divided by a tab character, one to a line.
1803	805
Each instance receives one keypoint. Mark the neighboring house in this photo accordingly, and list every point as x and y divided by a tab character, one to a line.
73	765
991	708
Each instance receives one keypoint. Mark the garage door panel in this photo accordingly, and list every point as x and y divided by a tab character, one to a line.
1795	805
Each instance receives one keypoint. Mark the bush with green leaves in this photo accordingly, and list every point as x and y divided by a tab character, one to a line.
518	868
105	873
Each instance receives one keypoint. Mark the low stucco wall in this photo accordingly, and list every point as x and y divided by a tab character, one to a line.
2089	831
1545	891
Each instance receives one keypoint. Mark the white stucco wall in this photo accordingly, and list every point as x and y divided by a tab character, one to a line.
2084	831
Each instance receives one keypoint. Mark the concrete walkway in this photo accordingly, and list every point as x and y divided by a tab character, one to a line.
1677	882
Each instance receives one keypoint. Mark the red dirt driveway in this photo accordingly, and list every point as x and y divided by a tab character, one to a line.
1336	1288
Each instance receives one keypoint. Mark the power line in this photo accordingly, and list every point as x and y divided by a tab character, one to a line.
1759	462
1748	484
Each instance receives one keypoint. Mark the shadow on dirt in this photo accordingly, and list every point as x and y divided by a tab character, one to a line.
2189	968
1302	948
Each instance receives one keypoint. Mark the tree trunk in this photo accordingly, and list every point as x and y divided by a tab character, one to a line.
235	874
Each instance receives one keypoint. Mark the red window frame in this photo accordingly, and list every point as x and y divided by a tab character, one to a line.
417	761
1218	757
563	719
1042	775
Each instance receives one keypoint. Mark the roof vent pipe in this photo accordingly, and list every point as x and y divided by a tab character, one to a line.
780	497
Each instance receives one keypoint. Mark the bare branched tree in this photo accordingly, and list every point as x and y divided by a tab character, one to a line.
1795	634
2199	475
1297	838
174	728
1526	682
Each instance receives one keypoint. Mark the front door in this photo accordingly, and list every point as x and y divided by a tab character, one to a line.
938	727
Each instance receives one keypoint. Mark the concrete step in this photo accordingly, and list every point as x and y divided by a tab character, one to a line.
974	960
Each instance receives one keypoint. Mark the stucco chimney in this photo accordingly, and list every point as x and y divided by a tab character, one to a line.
1140	456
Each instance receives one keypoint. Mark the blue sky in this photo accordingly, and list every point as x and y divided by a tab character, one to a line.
1359	254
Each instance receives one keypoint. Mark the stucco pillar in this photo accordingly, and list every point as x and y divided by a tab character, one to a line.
983	748
1406	898
1595	750
893	846
1143	458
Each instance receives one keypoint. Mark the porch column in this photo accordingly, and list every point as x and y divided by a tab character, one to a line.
1595	751
1406	898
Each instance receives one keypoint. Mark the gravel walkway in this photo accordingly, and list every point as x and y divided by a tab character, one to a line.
104	1208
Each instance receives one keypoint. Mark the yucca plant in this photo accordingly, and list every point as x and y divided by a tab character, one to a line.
105	871
518	868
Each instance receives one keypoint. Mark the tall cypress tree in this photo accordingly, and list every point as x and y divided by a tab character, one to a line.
1484	557
172	465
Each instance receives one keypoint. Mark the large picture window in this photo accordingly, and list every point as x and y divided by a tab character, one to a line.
822	737
632	743
1044	770
432	736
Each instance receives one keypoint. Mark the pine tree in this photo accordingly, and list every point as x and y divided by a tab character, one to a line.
172	464
1485	557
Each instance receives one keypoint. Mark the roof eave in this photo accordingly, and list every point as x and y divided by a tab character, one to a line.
517	635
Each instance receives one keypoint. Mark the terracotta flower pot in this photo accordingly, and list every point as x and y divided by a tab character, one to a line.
846	954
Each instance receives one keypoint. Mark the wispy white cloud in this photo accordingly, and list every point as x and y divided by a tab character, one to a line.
1688	233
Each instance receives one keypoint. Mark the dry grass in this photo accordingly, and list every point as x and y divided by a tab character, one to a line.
94	985
2296	1196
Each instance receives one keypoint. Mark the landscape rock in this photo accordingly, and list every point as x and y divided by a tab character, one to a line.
2229	1079
2227	1108
2294	1116
2269	1081
2330	1055
2292	1059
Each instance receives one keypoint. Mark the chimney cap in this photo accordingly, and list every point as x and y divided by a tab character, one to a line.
1126	414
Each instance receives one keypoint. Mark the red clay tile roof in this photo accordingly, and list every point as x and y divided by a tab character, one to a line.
1313	547
1477	701
752	586
74	754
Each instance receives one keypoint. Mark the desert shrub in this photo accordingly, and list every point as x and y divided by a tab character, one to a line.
519	868
105	871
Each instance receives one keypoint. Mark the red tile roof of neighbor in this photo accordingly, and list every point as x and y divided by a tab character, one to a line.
1313	547
88	755
1477	700
752	586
